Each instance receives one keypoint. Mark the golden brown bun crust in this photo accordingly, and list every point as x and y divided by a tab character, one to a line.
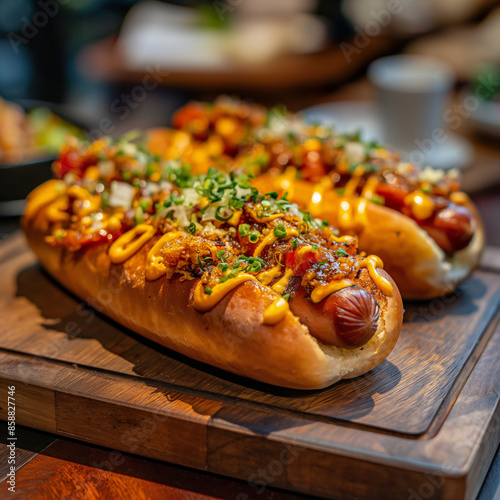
231	336
415	261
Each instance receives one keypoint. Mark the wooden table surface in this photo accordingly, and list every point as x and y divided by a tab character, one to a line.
52	467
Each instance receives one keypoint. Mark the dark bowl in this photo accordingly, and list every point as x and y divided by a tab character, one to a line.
17	180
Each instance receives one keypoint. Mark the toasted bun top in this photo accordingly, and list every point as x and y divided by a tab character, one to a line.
411	256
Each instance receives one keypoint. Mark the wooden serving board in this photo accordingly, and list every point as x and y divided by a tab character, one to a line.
423	424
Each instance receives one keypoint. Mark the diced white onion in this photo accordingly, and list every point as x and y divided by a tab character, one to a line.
182	216
209	213
122	195
152	187
106	168
191	197
355	152
166	186
242	192
431	175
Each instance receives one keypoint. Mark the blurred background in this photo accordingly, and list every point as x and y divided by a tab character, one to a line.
112	65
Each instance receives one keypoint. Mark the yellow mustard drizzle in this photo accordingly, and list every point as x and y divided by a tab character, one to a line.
271	238
56	211
42	196
287	181
320	189
203	301
90	203
371	263
360	216
370	187
113	224
459	198
340	239
420	204
266	277
279	287
264	218
345	214
276	311
322	291
155	268
303	250
235	218
353	183
130	242
352	213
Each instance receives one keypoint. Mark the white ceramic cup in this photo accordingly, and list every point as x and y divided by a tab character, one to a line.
412	94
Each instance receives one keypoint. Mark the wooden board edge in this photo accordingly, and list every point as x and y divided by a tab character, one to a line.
456	475
172	428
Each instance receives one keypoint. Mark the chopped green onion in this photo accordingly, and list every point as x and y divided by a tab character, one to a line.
277	261
303	231
295	243
145	203
105	200
253	237
379	200
139	215
221	255
286	296
242	181
244	230
208	290
191	229
322	262
255	267
341	253
280	231
224	213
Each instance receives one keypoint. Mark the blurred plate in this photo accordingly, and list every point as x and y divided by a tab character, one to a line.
353	116
17	180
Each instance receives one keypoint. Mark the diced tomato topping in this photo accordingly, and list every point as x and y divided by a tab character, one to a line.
75	239
192	118
300	264
71	161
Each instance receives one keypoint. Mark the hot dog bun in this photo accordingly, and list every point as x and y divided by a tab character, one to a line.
418	265
428	233
232	335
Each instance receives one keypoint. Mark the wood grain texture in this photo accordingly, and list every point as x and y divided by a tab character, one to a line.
427	418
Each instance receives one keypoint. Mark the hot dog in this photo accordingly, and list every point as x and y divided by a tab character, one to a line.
208	266
347	318
428	233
